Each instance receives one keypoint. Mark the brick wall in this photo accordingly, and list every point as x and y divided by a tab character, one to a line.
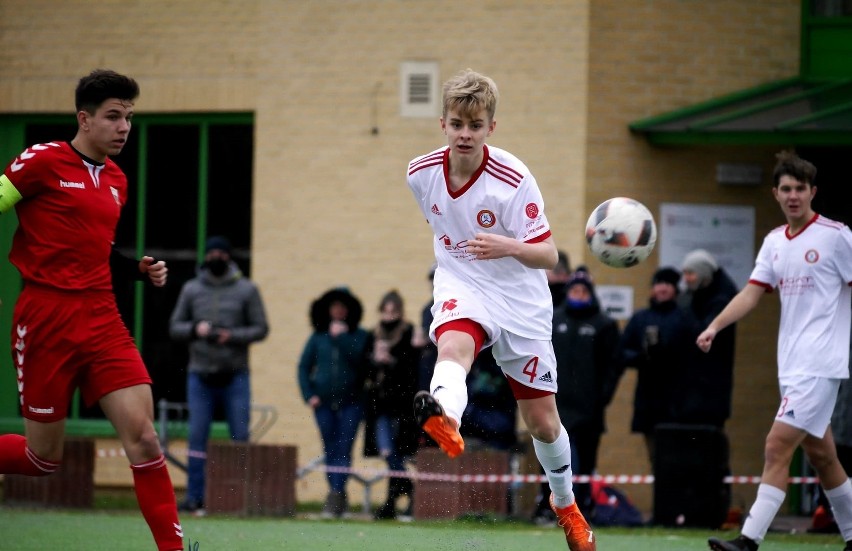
331	206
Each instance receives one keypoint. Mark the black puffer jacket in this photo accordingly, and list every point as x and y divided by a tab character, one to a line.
585	342
705	388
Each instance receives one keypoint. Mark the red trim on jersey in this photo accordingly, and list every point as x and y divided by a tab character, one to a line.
523	392
464	325
766	286
801	231
473	178
829	223
504	173
425	162
539	238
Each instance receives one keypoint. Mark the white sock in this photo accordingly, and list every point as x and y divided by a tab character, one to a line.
840	499
452	394
555	458
763	510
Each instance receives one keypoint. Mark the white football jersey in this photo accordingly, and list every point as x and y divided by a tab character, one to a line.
813	273
502	197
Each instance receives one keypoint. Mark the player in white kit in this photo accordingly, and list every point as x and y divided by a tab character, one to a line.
492	245
809	261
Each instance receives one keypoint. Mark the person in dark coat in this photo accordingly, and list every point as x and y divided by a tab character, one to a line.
585	341
391	430
707	385
658	342
331	376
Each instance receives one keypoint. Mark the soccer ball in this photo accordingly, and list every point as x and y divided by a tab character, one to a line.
621	232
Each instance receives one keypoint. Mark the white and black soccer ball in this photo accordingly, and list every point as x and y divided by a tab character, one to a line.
621	232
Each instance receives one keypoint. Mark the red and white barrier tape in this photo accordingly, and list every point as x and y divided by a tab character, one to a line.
537	478
504	478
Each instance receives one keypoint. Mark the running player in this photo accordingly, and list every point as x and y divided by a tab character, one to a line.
66	330
492	244
809	261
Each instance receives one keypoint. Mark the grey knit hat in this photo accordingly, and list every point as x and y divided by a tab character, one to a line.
702	263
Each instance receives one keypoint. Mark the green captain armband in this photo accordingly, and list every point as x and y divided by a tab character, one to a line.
8	194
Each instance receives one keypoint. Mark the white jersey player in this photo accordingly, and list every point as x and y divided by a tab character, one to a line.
492	244
809	262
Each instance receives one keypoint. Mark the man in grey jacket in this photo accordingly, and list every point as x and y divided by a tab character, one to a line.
220	312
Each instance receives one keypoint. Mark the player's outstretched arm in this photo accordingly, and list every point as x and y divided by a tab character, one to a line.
540	255
743	303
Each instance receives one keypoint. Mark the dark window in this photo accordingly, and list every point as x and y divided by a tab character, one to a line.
194	178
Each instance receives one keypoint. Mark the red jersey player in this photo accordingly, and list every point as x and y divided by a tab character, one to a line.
67	331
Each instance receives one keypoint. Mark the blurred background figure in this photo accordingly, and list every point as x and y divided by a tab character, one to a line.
658	342
585	342
220	312
331	375
392	375
707	384
558	277
490	418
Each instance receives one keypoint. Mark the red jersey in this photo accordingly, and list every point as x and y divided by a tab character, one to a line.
67	215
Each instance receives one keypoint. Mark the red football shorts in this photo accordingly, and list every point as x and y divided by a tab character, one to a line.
67	340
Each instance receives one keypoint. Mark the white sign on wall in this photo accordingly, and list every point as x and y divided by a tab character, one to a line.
727	232
616	300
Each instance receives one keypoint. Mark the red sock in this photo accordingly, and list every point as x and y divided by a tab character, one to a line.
17	458
156	497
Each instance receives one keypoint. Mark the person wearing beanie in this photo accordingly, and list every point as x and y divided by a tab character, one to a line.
809	262
707	387
657	342
585	341
219	313
698	268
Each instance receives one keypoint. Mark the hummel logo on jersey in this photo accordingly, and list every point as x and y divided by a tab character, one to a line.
436	210
790	414
546	378
78	185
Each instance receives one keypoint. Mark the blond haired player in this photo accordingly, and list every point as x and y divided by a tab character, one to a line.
809	261
492	244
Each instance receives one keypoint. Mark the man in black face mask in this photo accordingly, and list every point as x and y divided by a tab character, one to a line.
220	313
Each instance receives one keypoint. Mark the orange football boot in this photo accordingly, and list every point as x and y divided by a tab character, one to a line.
578	533
443	430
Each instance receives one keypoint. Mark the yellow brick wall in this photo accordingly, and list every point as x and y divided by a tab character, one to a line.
331	206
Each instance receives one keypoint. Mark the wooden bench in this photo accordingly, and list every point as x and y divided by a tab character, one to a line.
72	485
449	500
251	479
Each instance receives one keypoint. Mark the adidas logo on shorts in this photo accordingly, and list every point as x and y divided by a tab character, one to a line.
546	378
790	414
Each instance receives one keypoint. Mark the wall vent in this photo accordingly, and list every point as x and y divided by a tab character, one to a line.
419	95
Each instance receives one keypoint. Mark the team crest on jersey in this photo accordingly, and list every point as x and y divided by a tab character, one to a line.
532	210
811	256
115	195
486	218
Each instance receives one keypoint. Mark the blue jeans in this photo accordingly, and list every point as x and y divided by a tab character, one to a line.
202	399
387	433
338	428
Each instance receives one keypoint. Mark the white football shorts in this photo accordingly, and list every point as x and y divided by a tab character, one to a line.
807	403
531	362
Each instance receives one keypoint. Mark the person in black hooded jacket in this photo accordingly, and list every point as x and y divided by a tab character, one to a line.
585	342
658	342
331	378
706	387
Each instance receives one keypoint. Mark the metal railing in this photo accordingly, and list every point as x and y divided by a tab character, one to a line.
263	418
